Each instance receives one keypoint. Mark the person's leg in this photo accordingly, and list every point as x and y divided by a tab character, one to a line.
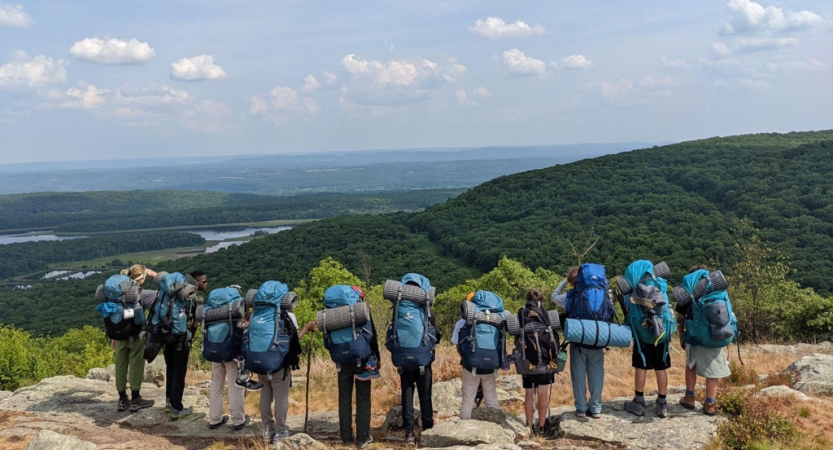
136	365
528	405
407	382
236	394
345	405
424	385
122	359
578	376
711	388
215	398
363	405
168	352
469	391
281	384
543	393
489	383
662	382
266	416
595	379
639	380
180	370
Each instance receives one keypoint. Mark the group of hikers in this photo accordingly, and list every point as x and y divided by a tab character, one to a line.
256	332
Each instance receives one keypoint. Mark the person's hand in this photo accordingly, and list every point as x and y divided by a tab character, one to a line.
151	273
311	326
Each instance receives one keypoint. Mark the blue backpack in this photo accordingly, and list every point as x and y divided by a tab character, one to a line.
349	345
482	341
652	324
120	306
271	340
712	322
174	308
590	299
411	337
221	340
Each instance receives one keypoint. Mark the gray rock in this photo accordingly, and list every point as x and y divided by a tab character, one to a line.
50	440
154	373
813	374
502	418
824	347
393	420
786	391
447	395
479	447
466	432
5	394
299	441
320	425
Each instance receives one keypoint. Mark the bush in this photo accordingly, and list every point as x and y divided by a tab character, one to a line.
755	421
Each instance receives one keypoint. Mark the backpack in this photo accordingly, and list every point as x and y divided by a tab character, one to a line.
482	341
712	323
173	308
648	312
411	335
536	341
119	304
221	339
590	299
348	329
271	341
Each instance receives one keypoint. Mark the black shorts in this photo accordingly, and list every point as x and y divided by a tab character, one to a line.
650	357
537	380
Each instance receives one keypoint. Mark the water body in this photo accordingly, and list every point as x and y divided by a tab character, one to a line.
33	237
223	236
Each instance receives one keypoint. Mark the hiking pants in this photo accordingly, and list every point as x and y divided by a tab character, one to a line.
345	405
176	362
130	364
277	390
470	383
408	380
587	365
220	373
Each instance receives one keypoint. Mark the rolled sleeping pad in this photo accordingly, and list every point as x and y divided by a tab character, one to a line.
409	292
250	298
494	319
288	302
221	314
338	318
187	292
131	296
609	334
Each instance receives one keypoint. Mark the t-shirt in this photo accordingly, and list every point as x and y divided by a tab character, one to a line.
455	336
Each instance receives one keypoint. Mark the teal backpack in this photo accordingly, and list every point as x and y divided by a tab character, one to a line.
174	308
119	304
711	323
649	314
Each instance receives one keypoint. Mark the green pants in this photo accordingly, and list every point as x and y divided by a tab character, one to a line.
130	361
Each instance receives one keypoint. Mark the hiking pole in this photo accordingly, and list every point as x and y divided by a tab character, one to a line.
309	364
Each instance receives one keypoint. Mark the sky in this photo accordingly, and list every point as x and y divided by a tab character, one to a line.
94	80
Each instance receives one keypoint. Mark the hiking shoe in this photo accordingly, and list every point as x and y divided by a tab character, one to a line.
371	363
367	442
661	409
214	426
710	409
596	415
280	435
253	386
687	402
167	405
246	421
268	435
410	438
124	403
368	375
635	407
140	403
177	414
581	414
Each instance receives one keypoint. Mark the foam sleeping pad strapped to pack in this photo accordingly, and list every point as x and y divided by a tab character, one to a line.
596	333
469	311
233	311
338	318
132	295
288	302
409	292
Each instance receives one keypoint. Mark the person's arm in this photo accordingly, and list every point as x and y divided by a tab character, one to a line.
311	326
147	299
558	297
374	343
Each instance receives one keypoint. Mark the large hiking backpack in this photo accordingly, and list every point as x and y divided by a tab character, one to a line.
482	341
536	339
590	300
411	335
119	303
648	312
271	340
348	329
712	323
174	308
222	339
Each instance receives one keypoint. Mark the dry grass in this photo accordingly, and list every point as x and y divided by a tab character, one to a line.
8	419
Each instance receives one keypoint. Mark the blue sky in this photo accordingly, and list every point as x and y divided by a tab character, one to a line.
90	80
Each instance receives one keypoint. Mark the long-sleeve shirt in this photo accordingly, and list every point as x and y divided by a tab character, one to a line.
558	297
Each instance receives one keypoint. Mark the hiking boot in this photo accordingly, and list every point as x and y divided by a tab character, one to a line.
140	403
214	426
124	403
635	407
177	414
280	435
596	415
366	442
710	409
581	414
246	421
661	409
167	405
368	375
268	436
687	402
410	438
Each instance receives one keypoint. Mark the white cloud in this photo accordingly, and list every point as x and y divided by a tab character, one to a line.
481	92
766	44
574	62
198	68
476	93
82	96
330	77
750	17
496	28
14	16
518	63
280	102
719	50
151	97
672	63
310	84
462	98
112	51
644	90
755	85
206	115
32	72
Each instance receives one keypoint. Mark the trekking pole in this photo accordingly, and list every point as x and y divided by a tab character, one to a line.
309	364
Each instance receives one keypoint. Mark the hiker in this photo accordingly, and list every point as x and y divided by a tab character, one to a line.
544	355
559	297
485	376
411	338
705	361
588	301
652	324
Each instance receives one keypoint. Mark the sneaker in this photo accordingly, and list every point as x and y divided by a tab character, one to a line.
581	414
214	426
368	375
410	438
635	407
596	415
371	363
124	403
268	435
167	405
710	409
687	401
140	403
280	435
177	414
536	430
367	442
246	421
253	386
661	409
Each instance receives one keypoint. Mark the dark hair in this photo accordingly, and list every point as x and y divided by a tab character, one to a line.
697	267
197	273
571	275
534	295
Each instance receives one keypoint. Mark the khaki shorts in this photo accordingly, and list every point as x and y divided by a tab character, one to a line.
709	362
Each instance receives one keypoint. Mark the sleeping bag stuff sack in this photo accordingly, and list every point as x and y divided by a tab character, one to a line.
120	306
595	333
482	340
411	335
346	324
222	340
268	340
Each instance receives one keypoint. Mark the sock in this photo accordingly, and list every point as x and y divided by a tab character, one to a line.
709	400
122	395
660	398
639	397
135	394
689	393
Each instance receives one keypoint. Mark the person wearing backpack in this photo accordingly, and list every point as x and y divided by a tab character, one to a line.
540	348
588	301
702	360
559	297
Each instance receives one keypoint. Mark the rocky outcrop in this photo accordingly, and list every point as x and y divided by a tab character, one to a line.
786	391
469	433
154	373
50	440
299	441
393	420
813	374
797	349
446	395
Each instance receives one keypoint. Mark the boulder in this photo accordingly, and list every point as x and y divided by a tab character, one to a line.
824	347
299	441
478	447
786	391
5	394
447	397
393	420
468	433
154	373
813	374
321	425
502	418
50	440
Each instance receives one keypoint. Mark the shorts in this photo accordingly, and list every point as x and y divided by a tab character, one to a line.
709	362
650	357
537	380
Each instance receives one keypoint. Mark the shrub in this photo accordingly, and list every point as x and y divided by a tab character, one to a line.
755	421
